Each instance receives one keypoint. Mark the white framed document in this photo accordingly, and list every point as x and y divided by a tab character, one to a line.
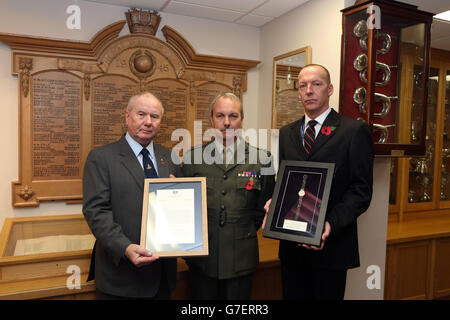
174	217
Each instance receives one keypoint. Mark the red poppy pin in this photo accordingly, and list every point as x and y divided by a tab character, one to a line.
327	130
249	184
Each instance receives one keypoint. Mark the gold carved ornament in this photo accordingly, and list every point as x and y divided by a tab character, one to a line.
25	65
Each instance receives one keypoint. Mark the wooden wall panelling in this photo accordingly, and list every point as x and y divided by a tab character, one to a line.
72	97
442	268
408	270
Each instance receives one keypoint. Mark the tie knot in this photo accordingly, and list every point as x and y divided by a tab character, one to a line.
312	123
145	152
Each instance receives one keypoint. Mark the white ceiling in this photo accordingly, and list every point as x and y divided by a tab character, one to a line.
440	30
259	12
249	12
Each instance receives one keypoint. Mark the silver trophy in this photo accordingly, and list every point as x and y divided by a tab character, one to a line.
359	97
444	181
386	74
413	131
384	130
386	38
411	194
361	31
360	64
444	173
425	181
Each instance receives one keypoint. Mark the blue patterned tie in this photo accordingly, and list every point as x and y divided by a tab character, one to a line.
149	168
310	136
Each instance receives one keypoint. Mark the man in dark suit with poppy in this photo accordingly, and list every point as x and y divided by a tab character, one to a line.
323	135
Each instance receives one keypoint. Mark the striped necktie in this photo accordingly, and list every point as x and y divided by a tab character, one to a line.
310	136
149	168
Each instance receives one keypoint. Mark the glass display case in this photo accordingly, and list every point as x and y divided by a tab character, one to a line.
421	170
444	188
384	67
422	183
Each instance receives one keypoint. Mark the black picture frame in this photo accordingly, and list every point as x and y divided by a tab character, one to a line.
299	202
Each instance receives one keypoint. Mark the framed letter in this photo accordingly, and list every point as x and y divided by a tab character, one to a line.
174	217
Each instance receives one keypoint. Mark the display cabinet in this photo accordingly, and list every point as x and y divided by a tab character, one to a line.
39	254
422	184
384	67
418	235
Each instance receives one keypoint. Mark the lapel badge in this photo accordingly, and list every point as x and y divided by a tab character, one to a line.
326	130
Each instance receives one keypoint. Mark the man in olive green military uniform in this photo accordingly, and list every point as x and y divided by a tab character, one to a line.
240	179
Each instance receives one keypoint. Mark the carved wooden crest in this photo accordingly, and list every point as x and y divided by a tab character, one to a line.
73	95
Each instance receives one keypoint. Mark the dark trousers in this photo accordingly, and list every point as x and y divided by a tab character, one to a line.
309	283
163	292
206	288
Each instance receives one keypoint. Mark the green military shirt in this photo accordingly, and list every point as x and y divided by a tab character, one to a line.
236	194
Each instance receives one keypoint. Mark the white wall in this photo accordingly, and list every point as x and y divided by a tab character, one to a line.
317	24
372	228
47	18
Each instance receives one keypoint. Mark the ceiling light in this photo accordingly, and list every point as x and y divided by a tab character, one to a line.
443	15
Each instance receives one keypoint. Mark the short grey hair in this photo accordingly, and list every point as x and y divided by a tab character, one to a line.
228	95
133	99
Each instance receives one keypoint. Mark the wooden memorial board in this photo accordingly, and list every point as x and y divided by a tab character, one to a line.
73	95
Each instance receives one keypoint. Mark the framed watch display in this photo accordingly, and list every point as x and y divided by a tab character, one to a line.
299	202
384	71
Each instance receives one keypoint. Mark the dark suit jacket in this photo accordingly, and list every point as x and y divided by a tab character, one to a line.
235	213
113	186
350	147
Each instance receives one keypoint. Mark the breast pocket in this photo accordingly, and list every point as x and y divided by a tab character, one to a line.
249	189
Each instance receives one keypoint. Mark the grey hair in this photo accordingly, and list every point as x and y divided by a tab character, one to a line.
133	99
228	95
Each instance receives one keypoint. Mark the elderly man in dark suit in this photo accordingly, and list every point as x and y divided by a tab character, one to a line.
113	185
323	135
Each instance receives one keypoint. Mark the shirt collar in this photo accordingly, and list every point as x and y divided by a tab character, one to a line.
320	119
234	146
136	146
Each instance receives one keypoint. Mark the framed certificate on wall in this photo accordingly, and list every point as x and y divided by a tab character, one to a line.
174	217
299	203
